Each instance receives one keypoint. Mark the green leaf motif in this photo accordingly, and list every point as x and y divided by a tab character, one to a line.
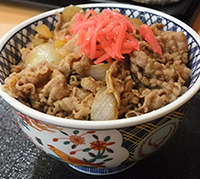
85	160
73	146
106	139
92	160
64	133
23	123
39	140
86	149
76	132
66	142
108	159
100	153
110	150
92	155
95	136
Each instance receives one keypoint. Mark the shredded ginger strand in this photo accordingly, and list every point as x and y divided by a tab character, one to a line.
104	36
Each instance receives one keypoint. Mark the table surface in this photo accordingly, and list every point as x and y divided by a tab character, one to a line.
19	158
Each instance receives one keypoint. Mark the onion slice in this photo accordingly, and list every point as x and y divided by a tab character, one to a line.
98	72
43	52
104	106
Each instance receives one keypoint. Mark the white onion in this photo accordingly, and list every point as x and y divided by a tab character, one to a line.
98	71
104	106
69	12
41	53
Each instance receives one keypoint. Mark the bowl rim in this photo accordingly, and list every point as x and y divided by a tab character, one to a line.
101	125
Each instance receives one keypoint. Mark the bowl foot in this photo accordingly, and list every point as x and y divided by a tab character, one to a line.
101	171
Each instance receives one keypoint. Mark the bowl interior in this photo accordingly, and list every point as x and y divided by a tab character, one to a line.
19	37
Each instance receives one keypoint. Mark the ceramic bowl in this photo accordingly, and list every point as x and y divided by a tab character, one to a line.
100	147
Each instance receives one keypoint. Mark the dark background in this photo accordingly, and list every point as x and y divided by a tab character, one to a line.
178	159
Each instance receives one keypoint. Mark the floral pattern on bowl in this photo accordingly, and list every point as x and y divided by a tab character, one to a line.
99	149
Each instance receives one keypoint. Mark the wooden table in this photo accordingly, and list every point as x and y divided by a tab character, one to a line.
13	14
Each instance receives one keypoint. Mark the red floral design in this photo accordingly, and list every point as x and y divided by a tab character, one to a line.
78	140
98	145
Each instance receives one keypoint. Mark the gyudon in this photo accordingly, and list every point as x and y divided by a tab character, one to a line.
101	66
